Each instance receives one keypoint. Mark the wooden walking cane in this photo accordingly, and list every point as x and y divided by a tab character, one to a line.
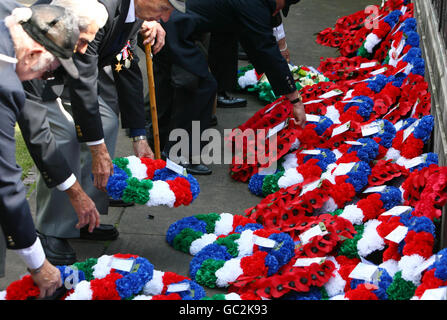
153	104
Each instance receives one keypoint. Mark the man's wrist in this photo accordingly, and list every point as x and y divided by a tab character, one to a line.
138	138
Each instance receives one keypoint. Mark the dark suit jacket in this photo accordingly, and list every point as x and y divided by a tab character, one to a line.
15	216
252	21
129	82
33	124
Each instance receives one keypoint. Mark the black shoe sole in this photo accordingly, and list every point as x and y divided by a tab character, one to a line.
236	105
106	237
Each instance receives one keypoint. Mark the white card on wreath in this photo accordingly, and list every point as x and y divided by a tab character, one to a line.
318	230
311	152
312	118
375	189
367	65
370	129
178	287
340	129
171	165
414	162
378	71
410	129
125	265
264	242
353	143
397	211
398	234
312	101
435	294
343	168
366	272
278	128
311	186
330	94
427	263
272	107
305	262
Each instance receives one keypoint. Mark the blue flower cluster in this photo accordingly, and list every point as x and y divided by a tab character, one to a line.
323	124
284	250
378	83
393	18
391	197
248	226
133	282
440	265
424	128
409	25
255	184
117	183
187	222
365	105
388	134
326	157
418	224
413	39
358	176
368	151
398	79
71	274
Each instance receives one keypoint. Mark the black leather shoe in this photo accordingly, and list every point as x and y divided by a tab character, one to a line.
213	121
57	250
197	169
103	233
225	101
120	203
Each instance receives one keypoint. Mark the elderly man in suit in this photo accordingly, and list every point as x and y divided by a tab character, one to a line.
84	123
33	42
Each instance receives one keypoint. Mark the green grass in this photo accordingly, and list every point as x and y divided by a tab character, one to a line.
23	157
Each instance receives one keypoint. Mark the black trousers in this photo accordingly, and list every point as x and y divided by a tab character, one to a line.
223	59
182	98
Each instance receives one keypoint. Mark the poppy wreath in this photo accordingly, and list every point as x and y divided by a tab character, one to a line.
284	207
416	246
384	171
149	182
410	140
215	264
256	154
426	191
289	280
372	205
346	29
377	35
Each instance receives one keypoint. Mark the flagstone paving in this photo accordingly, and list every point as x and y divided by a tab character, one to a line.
143	229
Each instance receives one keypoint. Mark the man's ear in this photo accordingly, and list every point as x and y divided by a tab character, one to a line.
33	55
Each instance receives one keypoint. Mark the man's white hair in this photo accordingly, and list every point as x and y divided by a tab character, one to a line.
87	11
